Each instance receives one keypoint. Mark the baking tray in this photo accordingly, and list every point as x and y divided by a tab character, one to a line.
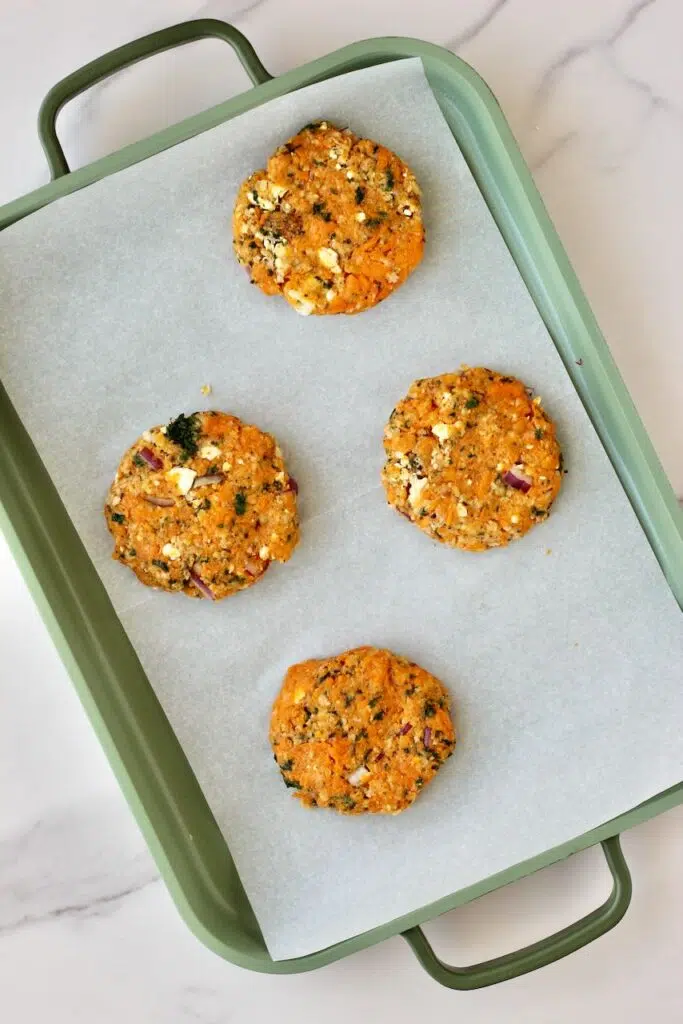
153	772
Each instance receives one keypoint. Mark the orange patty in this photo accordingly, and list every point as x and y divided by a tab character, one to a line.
334	223
202	506
363	731
472	458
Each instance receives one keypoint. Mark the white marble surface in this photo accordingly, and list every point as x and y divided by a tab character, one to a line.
594	93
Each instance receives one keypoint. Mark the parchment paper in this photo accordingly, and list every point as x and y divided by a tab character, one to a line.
563	652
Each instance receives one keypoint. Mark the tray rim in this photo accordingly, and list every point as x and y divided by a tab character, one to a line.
34	566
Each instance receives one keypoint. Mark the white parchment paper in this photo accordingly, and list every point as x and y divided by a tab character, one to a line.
563	652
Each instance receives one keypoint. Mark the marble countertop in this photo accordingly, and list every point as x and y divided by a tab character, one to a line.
594	94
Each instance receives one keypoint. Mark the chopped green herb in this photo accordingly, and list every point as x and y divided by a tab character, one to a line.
348	802
429	709
312	126
379	716
538	433
360	194
419	782
374	701
287	765
138	460
472	402
373	222
410	690
160	564
183	432
292	784
132	553
205	505
362	735
538	511
349	699
389	186
118	518
240	503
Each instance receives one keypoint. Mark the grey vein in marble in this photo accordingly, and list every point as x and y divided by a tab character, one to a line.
66	866
468	34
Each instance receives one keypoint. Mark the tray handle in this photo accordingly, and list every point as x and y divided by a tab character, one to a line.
541	953
122	57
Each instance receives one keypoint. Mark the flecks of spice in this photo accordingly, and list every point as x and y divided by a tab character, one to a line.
579	362
320	210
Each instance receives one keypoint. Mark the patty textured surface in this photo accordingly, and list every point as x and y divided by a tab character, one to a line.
471	458
202	506
334	222
362	731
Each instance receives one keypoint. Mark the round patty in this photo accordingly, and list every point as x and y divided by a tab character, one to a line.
203	505
472	459
362	731
334	223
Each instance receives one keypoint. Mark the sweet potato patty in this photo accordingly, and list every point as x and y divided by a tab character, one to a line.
472	459
203	505
334	223
362	731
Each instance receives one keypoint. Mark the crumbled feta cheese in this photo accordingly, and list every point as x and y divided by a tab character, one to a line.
116	500
301	304
333	154
299	695
170	551
350	175
442	431
278	190
147	435
209	451
330	294
514	519
329	259
392	277
256	200
462	511
416	488
360	216
358	776
182	477
264	553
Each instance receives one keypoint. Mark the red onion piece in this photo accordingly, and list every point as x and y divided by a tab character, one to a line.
379	756
161	502
427	737
150	458
201	586
255	567
293	485
406	728
517	479
212	478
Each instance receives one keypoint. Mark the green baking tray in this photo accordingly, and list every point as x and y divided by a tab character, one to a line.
150	765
